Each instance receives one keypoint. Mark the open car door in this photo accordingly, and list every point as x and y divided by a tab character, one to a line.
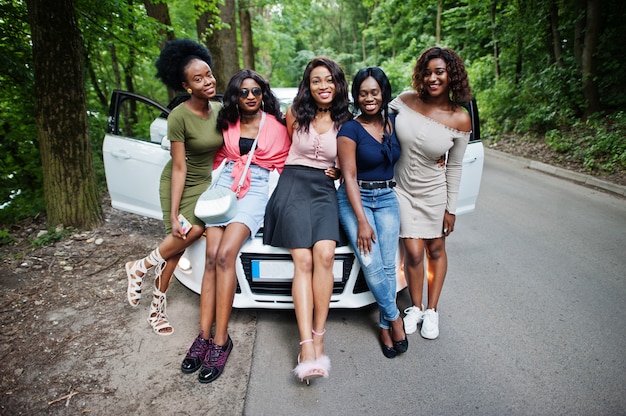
135	150
472	165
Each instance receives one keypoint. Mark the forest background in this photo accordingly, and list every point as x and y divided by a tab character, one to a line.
548	71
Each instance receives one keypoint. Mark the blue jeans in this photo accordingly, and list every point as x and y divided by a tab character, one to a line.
383	215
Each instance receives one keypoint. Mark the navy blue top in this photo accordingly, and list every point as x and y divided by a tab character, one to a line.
374	160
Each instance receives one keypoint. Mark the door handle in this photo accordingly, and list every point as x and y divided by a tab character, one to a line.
120	154
470	160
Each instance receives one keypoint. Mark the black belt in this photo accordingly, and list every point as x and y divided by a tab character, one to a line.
376	184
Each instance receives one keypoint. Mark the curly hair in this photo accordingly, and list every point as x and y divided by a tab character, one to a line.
304	106
175	57
385	89
230	112
460	91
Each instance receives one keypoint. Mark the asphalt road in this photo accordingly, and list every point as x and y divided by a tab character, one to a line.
532	318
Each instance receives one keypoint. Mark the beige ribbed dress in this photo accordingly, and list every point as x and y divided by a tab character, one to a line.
425	188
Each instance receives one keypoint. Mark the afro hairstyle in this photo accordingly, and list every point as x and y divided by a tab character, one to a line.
175	57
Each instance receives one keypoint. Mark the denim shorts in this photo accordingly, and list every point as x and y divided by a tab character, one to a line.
250	208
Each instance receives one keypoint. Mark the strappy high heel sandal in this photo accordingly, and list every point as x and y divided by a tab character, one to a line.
158	314
309	369
133	292
323	362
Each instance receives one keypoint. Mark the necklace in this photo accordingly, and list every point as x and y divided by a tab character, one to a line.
323	110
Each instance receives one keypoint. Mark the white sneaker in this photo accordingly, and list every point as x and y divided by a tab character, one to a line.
430	327
414	317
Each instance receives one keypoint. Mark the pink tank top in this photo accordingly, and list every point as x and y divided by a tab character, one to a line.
313	149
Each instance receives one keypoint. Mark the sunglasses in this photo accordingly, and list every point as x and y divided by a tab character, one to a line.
244	92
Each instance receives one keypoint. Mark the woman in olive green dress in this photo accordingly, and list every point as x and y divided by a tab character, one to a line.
195	139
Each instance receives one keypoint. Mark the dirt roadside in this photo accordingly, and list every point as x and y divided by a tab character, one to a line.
71	344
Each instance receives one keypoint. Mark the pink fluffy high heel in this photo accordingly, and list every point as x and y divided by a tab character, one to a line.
309	369
323	362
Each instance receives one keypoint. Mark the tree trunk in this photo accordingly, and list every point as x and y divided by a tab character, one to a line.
494	38
222	44
69	181
161	13
579	28
438	28
592	37
245	27
115	66
556	37
519	60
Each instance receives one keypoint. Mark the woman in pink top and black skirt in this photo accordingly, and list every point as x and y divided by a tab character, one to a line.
302	214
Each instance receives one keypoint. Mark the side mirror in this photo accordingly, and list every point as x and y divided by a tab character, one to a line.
158	129
166	144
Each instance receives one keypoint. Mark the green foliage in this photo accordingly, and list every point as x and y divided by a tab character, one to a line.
50	237
20	163
598	143
6	238
559	142
399	72
542	103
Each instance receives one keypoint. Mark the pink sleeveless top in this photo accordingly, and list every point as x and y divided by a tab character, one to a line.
313	149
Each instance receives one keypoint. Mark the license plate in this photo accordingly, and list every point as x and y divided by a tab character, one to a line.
281	270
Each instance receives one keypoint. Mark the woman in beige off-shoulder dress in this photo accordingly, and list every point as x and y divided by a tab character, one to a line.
433	130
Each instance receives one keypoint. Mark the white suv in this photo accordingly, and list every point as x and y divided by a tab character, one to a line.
136	148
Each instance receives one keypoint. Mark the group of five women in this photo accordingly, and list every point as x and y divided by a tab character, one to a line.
399	166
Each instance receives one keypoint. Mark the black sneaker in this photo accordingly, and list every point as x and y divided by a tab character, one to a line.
195	355
214	362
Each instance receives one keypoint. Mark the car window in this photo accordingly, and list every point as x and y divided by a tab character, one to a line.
472	110
285	97
139	120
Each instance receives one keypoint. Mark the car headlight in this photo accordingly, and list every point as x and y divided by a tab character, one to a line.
184	264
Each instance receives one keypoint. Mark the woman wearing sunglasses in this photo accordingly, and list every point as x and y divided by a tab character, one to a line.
250	111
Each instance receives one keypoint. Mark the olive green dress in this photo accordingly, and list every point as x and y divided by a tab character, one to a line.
202	141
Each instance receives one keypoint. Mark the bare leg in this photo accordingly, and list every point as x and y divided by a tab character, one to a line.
162	281
226	282
172	246
164	272
414	268
323	259
437	265
168	251
302	292
208	291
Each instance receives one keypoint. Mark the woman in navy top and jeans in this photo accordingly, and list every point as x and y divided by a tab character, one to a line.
368	210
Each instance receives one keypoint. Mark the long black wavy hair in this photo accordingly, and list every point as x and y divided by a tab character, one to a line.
230	112
460	91
304	106
175	57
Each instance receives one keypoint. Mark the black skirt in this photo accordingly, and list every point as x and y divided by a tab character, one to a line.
302	210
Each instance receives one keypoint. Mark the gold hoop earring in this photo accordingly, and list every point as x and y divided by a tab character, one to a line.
189	90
